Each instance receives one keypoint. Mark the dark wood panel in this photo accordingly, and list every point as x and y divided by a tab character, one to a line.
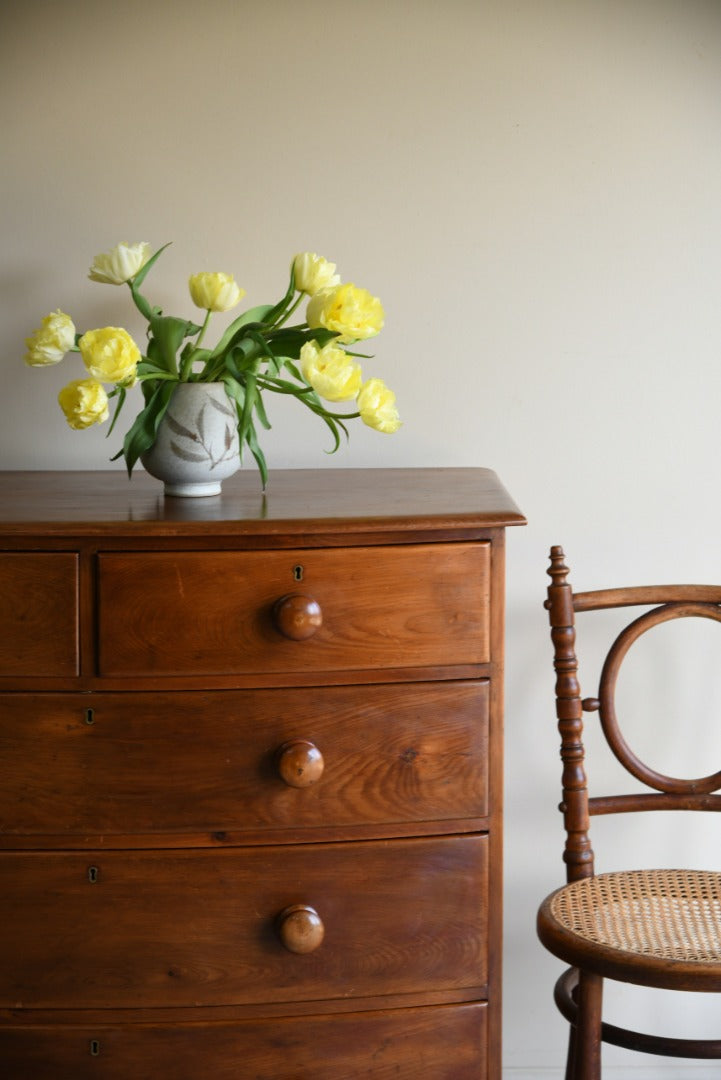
38	613
163	928
213	612
444	1043
121	764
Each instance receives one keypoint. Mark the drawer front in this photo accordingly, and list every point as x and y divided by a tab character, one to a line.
164	613
204	927
447	1043
236	761
39	613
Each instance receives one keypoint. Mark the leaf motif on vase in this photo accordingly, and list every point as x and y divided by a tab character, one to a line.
186	455
222	407
179	429
200	424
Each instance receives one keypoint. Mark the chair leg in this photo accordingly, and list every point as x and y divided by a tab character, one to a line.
571	1056
587	1049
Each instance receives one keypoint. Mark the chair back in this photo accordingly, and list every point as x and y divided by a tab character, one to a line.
662	603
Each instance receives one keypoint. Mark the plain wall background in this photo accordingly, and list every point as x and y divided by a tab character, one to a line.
531	187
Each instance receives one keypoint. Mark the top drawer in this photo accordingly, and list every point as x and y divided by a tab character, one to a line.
39	613
225	612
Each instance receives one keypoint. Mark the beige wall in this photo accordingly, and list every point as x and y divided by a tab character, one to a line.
533	189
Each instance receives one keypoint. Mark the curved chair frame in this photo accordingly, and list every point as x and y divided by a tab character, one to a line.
593	958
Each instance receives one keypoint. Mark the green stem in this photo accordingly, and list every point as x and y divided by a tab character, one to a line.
298	326
203	328
284	316
187	366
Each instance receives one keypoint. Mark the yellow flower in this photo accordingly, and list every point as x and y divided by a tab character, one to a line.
84	403
350	312
49	343
215	292
377	406
312	273
109	354
330	371
121	264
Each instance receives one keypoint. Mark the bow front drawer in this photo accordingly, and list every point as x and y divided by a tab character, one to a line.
435	1044
215	613
234	761
115	929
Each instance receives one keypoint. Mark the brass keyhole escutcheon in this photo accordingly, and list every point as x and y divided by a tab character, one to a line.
93	874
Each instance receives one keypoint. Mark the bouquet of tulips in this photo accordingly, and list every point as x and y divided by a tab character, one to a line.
313	361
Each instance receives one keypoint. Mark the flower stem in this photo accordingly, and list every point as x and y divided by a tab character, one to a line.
284	316
186	369
203	328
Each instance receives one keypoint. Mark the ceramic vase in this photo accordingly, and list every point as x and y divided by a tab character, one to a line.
196	446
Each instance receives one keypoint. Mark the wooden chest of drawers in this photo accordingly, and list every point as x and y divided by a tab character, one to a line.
250	777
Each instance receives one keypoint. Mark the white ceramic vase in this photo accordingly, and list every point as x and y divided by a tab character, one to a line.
196	447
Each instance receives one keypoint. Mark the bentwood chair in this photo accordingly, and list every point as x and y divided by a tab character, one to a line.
658	928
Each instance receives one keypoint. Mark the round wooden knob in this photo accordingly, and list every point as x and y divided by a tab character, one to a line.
301	929
300	763
297	617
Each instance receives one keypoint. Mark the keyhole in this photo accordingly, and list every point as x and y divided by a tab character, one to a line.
93	874
298	573
94	1047
89	716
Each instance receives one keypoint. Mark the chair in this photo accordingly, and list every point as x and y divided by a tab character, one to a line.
659	928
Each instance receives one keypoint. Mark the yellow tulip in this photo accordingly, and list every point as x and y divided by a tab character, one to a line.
350	312
215	292
312	273
121	264
376	404
330	371
84	403
49	343
109	354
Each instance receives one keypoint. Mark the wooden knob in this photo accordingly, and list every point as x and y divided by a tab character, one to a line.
301	929
297	617
300	763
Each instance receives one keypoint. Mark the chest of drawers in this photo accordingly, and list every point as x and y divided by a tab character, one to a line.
250	777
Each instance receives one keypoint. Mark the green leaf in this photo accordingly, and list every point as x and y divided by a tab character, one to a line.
141	435
290	341
283	386
122	392
236	392
295	372
148	369
252	441
260	409
246	418
143	272
168	334
246	430
140	302
282	306
253	315
242	358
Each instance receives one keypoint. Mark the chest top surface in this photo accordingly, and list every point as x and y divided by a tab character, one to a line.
296	501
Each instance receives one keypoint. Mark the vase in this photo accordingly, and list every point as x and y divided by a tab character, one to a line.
196	446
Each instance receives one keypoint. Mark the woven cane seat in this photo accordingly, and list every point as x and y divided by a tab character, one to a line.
669	917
